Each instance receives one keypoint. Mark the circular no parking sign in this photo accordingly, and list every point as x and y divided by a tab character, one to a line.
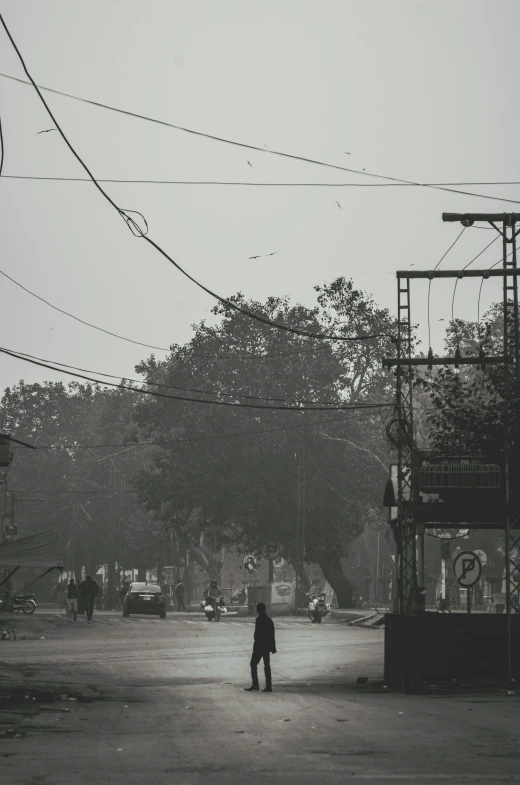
467	568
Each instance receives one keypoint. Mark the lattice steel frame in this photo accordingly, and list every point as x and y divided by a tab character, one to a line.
405	529
511	393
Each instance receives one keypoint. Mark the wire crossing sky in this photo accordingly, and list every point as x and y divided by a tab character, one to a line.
334	88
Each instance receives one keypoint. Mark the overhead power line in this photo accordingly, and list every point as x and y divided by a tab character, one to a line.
252	184
1	148
151	346
216	393
82	321
189	439
454	243
233	142
154	393
143	234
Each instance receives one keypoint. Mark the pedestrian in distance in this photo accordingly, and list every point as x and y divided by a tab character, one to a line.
88	590
72	601
179	596
125	587
264	645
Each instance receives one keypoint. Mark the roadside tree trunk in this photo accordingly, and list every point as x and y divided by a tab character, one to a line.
334	574
303	579
210	562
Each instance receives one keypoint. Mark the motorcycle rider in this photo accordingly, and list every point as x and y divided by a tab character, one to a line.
213	594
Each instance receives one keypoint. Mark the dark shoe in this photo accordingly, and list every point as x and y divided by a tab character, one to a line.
251	689
267	689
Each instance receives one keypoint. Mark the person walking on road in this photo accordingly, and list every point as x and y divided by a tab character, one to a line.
179	596
264	645
88	590
125	587
72	601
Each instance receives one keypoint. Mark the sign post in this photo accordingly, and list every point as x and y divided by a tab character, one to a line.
468	569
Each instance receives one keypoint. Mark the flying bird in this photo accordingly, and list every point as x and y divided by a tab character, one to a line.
250	164
441	320
266	147
364	170
47	130
345	153
339	205
255	257
271	254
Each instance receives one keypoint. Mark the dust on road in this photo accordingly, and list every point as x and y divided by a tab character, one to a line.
147	700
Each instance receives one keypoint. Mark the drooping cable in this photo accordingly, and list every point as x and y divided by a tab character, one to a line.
154	393
481	252
160	348
82	321
216	393
482	283
144	236
235	143
1	147
455	290
454	243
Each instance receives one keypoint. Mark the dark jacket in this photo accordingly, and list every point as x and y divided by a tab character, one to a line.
264	634
88	589
179	589
72	591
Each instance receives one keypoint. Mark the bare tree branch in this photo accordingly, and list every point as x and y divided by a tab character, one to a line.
356	447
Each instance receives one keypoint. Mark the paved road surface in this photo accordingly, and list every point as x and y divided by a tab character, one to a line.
171	709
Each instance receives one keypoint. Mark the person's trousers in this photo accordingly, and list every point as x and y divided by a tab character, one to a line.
257	655
180	603
71	607
89	607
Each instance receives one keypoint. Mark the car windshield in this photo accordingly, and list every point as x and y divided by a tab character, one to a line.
145	588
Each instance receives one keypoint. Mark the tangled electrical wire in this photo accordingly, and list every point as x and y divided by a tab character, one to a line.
143	233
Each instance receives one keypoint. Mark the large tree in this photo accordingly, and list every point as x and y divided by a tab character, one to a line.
254	477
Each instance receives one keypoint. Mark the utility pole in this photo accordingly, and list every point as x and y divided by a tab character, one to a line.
376	592
410	510
505	225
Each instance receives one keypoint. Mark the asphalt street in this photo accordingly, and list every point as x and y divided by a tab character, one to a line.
144	700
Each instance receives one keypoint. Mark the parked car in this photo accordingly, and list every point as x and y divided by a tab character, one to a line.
144	598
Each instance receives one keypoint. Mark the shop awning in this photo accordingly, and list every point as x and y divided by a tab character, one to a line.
39	550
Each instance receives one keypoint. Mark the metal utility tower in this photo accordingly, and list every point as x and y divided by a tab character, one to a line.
410	510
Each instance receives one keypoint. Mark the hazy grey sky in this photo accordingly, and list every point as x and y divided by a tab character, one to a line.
425	91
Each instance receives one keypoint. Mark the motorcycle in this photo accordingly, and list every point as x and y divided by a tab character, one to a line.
213	608
317	609
15	603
